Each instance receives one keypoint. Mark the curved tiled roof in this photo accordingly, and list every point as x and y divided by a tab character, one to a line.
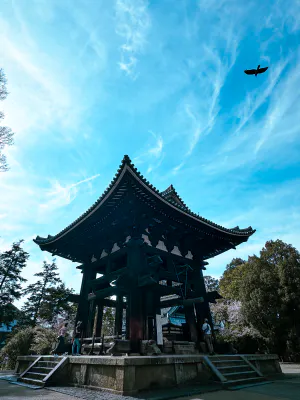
163	195
170	193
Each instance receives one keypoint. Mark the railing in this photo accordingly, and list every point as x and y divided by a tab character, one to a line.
30	366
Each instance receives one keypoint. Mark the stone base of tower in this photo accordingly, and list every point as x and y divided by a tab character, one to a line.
132	374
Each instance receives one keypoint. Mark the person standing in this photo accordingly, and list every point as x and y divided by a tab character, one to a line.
206	329
76	340
60	348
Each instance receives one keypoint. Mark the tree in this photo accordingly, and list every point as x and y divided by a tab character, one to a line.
270	293
6	135
235	328
211	284
231	280
18	345
39	292
30	340
108	321
55	306
12	262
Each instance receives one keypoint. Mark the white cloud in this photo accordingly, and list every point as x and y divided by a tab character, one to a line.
132	25
157	149
177	168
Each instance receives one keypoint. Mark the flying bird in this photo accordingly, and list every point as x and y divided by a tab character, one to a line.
256	71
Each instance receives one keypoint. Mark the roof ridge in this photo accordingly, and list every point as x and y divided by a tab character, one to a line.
171	189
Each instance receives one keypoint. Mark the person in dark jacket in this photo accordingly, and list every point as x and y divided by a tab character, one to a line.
61	346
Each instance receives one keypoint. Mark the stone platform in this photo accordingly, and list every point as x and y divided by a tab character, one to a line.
132	374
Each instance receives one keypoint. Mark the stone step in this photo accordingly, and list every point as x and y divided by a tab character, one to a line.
240	375
246	381
48	364
51	358
226	357
30	381
96	346
43	370
235	368
35	375
228	363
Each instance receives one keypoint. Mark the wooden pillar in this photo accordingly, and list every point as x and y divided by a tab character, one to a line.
83	305
91	318
99	319
119	316
202	309
191	321
136	263
136	322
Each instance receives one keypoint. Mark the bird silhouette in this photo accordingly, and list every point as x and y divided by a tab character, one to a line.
255	71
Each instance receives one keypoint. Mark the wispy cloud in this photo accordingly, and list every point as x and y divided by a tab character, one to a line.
153	154
269	130
256	99
199	109
132	25
285	100
273	211
41	86
59	195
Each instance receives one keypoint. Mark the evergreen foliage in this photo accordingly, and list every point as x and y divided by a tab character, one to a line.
12	262
39	293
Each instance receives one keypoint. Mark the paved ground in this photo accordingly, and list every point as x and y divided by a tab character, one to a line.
286	388
15	392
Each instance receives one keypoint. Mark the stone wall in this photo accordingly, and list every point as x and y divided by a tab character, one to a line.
267	364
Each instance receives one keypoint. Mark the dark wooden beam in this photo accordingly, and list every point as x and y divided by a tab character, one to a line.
100	264
169	276
108	277
101	294
112	303
74	298
176	258
181	302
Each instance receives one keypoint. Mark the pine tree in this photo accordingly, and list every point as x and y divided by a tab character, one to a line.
55	305
12	263
39	291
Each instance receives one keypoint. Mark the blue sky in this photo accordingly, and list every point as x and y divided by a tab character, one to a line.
163	82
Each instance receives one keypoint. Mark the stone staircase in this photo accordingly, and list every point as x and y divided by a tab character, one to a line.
42	370
234	371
